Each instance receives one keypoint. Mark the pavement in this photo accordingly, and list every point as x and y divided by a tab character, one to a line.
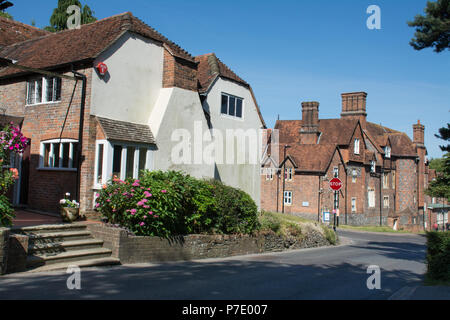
27	218
319	274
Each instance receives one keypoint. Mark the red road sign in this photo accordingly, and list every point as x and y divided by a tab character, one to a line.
336	184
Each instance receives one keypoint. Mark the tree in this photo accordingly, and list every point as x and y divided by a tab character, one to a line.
437	164
440	187
3	6
58	20
433	29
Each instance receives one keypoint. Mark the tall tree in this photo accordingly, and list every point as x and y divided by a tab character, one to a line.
433	29
3	6
58	20
440	187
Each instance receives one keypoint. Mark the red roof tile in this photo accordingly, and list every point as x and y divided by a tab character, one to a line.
312	157
69	46
13	31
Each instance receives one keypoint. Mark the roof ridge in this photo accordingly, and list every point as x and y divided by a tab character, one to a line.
23	24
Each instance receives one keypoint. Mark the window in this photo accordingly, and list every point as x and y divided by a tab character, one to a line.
387	152
373	166
354	175
393	179
288	174
43	90
353	205
231	105
386	201
371	197
59	154
288	198
336	172
269	174
127	160
357	143
385	180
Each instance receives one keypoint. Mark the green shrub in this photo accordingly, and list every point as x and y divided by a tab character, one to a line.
438	256
170	203
270	222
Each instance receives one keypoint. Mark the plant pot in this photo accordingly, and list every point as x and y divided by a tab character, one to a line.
70	214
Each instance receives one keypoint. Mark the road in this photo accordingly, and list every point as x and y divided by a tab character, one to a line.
322	273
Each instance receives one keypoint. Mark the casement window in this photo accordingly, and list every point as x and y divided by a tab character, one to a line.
59	154
386	201
43	90
371	197
354	175
353	205
120	160
232	106
357	143
336	172
385	180
288	198
373	166
393	179
289	174
387	152
269	174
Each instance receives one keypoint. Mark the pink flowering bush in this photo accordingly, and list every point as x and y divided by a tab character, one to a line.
170	203
11	141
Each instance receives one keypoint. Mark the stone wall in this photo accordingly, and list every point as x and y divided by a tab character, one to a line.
4	235
17	254
132	249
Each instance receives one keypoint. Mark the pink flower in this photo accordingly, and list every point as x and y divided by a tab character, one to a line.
109	200
150	213
164	191
97	205
133	212
145	217
147	194
147	207
142	224
97	195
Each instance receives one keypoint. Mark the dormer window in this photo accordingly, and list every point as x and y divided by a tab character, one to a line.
357	143
373	166
231	105
387	152
43	90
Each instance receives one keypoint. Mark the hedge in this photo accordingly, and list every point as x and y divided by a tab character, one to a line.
438	256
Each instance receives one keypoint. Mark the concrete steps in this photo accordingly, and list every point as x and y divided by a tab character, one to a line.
53	247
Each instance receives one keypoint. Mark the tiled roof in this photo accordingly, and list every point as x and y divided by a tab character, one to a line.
126	131
312	157
13	31
209	67
88	42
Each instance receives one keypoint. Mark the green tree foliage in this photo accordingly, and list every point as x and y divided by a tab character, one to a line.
437	164
440	187
433	29
58	20
3	6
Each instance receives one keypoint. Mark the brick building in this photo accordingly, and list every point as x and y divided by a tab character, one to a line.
384	172
151	88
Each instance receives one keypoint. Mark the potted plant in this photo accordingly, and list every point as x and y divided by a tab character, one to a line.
70	210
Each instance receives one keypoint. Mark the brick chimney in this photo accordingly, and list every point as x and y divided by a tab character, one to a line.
354	106
419	134
309	131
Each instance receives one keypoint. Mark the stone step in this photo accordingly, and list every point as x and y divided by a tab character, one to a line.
74	257
49	228
58	247
81	264
59	236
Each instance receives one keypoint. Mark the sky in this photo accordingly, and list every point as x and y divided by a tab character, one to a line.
294	51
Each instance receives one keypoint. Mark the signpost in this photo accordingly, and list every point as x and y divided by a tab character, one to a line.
336	185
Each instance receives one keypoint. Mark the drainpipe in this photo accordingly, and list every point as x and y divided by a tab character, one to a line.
83	78
318	201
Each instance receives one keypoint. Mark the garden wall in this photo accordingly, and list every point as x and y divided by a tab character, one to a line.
131	249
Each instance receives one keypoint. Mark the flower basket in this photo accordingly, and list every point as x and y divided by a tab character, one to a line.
70	214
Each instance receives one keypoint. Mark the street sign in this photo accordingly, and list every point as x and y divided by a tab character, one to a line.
336	184
326	217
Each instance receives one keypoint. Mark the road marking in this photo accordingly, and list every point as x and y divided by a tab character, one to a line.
404	293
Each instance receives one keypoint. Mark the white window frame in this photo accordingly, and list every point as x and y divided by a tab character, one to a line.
385	180
357	146
387	152
269	174
373	166
371	199
287	198
353	205
227	115
393	179
336	172
44	82
51	155
108	158
289	174
388	202
354	175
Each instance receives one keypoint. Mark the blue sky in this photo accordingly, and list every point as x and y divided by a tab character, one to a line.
293	51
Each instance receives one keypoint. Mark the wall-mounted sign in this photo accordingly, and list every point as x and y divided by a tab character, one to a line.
102	68
326	217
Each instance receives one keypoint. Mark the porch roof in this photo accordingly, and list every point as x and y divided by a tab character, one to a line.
126	131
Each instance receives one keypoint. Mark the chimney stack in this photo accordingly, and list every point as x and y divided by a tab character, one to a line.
310	122
354	106
419	134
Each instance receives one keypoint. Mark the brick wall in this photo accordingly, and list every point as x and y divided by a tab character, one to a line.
132	249
179	73
407	184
